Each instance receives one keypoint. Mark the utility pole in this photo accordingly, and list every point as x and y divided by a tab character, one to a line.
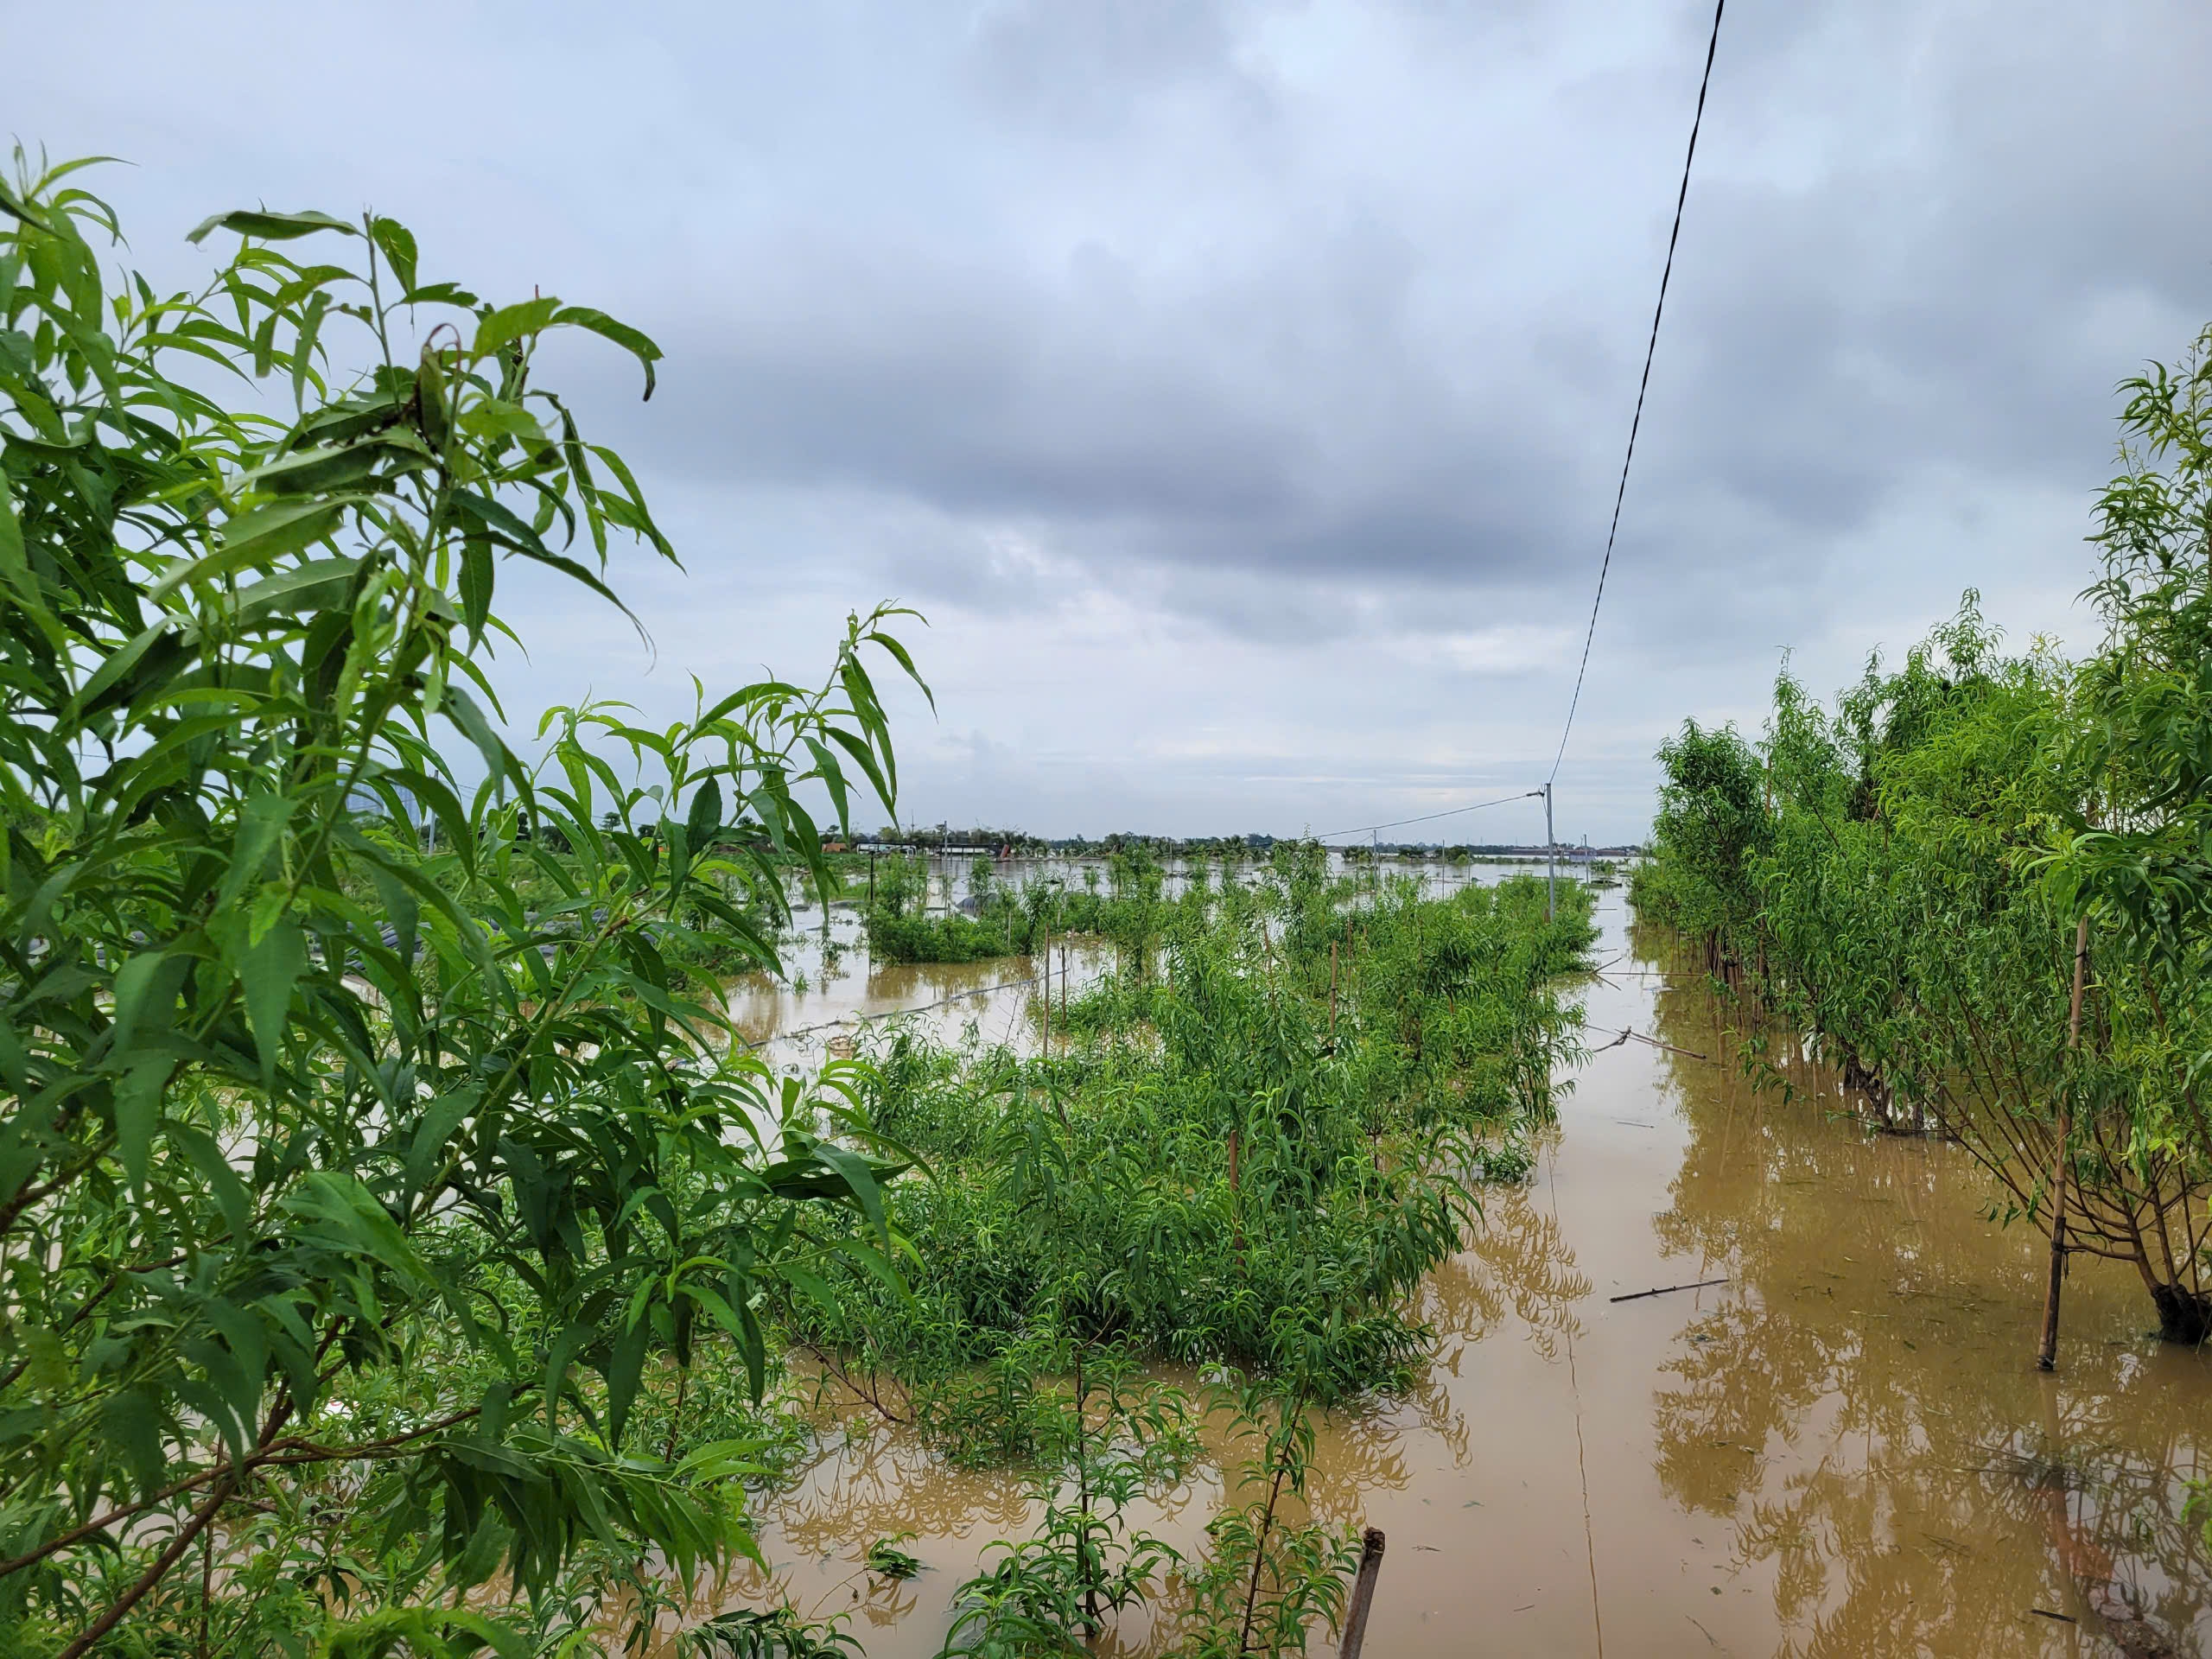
1551	861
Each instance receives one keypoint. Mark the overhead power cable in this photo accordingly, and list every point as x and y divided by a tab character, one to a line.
1650	350
1429	817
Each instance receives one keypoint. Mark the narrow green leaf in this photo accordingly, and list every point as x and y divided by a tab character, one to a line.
269	532
443	294
705	817
859	1177
271	969
131	1424
498	760
271	227
138	1111
511	531
509	323
400	908
336	466
476	578
630	339
137	982
319	584
396	242
261	828
15	207
625	1367
111	681
339	1210
813	1286
201	1150
444	1116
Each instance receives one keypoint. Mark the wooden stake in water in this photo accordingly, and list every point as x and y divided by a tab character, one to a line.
2047	1356
1362	1593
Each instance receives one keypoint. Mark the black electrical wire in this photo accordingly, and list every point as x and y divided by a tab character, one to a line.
1650	351
1430	818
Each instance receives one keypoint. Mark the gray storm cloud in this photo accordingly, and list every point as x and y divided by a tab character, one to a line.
1240	388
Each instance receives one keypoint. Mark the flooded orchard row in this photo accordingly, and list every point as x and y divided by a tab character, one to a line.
829	987
1844	1449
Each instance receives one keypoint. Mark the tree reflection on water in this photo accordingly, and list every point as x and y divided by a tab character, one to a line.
1864	1408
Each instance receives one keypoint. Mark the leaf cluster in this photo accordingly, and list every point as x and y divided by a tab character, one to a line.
367	1153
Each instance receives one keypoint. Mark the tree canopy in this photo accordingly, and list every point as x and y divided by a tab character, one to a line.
363	1142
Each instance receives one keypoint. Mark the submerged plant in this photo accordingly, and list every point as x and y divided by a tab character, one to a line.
887	1561
1267	1580
1247	1158
770	1633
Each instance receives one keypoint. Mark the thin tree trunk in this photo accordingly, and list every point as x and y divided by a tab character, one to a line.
2154	1187
1083	1490
1260	1545
2047	1355
202	1519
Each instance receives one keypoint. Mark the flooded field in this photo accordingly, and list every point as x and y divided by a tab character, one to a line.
830	987
1844	1449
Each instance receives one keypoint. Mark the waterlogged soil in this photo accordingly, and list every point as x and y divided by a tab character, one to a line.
1844	1449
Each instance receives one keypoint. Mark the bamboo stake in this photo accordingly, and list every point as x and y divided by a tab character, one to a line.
2047	1356
1332	994
1362	1593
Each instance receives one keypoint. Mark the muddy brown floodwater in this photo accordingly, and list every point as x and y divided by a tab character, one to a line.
1844	1450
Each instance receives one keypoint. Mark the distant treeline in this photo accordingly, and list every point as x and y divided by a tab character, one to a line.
1021	844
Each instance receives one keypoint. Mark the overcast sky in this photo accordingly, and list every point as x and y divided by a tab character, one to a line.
1239	389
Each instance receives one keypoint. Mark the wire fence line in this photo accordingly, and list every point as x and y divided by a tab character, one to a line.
1430	818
